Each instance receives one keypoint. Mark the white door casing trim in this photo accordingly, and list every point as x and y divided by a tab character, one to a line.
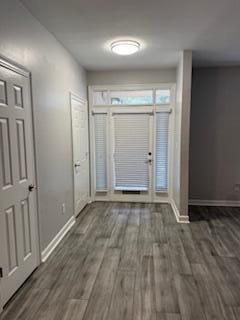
11	65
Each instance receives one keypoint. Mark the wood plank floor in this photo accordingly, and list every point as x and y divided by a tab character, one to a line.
125	261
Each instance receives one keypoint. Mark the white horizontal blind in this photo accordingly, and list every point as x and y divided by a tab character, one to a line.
100	128
131	140
161	166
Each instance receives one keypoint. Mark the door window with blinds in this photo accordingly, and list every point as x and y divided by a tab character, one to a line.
131	130
161	152
100	139
131	148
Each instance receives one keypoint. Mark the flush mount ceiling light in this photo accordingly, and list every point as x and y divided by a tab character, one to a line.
125	47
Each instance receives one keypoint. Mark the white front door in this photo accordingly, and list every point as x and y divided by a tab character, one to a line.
18	217
132	152
80	152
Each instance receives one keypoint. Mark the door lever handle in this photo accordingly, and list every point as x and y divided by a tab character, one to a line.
77	165
31	187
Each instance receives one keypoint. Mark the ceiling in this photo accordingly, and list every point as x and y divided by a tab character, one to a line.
211	28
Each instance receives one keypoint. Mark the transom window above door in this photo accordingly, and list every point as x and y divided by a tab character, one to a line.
132	97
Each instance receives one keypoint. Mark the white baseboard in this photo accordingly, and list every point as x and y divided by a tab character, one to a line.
57	239
179	218
217	203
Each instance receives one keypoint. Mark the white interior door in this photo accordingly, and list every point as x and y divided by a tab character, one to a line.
132	152
18	217
80	152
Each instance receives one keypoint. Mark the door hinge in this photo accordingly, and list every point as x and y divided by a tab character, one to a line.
1	272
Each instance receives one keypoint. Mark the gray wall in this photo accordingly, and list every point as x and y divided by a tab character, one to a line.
215	134
131	77
54	74
181	134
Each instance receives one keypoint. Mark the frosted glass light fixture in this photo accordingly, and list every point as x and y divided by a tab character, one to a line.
125	47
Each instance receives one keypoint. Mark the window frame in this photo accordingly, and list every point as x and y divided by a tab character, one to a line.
112	88
156	196
100	112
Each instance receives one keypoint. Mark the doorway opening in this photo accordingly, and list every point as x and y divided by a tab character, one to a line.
80	150
131	142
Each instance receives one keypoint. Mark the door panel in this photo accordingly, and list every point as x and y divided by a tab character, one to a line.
6	167
132	152
21	144
11	232
18	217
80	152
26	228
